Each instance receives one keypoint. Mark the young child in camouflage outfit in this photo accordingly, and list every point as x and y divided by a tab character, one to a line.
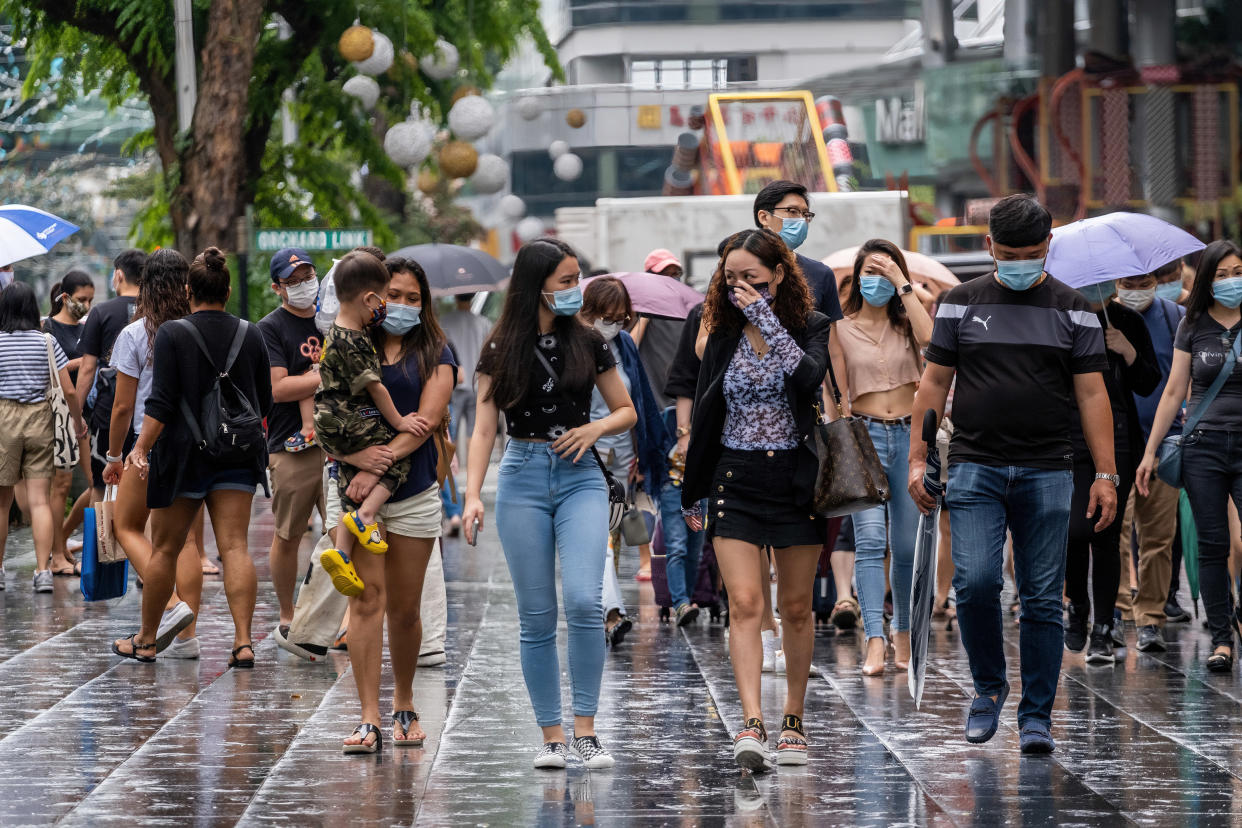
354	411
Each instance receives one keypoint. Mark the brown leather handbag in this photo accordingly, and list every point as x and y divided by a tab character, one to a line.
445	449
851	477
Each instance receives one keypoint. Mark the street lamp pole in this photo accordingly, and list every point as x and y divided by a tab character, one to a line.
187	85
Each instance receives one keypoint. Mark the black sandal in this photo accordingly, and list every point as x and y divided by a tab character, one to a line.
364	730
1220	662
405	718
135	648
242	663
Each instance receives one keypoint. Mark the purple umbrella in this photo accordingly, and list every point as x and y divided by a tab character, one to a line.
1114	246
656	295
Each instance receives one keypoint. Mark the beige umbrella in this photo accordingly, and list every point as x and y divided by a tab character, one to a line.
923	268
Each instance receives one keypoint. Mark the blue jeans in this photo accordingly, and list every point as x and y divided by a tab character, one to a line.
901	519
548	507
681	547
1035	505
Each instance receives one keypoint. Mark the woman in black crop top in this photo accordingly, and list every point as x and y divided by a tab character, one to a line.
539	366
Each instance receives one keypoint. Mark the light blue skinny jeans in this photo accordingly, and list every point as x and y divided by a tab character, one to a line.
894	525
548	507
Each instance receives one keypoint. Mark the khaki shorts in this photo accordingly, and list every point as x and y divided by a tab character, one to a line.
25	441
297	488
418	516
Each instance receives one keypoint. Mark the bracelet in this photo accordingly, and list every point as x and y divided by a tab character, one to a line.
682	431
109	458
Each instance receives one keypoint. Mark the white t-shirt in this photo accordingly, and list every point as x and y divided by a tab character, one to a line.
132	357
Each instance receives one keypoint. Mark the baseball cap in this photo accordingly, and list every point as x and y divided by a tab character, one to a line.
286	260
659	259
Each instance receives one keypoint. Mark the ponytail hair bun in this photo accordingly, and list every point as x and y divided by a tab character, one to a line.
209	277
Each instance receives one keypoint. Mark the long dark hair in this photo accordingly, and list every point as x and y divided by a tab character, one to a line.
509	352
426	339
793	304
854	301
69	284
161	294
19	310
1201	298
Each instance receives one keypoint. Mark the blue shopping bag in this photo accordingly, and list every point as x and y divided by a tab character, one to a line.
100	582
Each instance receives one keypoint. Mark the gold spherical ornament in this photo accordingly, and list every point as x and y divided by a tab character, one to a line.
427	181
357	43
463	91
575	118
458	159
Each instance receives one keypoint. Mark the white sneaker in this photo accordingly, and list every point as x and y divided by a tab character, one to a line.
43	581
592	753
172	622
770	646
434	659
182	649
778	662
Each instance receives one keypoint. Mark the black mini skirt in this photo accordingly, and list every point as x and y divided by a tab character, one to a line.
753	499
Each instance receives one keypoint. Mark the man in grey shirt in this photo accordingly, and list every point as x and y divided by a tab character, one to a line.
466	332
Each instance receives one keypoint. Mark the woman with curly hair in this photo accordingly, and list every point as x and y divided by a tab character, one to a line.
751	454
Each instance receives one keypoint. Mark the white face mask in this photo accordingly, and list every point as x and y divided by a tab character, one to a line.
1138	300
608	330
303	294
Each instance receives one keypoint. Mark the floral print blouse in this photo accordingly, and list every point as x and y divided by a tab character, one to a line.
757	412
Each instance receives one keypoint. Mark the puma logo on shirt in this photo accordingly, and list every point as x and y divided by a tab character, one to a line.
983	322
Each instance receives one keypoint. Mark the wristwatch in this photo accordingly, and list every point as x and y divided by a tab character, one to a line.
1115	479
682	431
905	289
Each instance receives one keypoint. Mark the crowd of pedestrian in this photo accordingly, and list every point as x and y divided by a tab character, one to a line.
1073	423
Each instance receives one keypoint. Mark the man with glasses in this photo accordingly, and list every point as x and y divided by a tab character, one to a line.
295	461
784	208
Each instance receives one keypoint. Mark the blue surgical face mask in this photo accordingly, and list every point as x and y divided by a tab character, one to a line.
1169	290
565	302
1228	291
1099	293
401	319
1019	275
793	231
876	290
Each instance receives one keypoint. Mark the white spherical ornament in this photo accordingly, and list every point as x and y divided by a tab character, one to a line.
441	64
529	228
363	88
530	108
568	167
512	207
490	175
471	118
408	143
557	148
380	59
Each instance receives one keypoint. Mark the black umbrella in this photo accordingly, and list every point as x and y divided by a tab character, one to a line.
923	587
455	269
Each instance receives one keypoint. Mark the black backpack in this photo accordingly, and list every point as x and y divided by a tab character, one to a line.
227	428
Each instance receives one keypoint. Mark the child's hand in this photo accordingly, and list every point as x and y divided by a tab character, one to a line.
415	424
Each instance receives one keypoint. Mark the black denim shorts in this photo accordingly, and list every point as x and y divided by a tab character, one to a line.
753	499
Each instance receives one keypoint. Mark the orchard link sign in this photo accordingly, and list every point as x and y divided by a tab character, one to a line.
313	239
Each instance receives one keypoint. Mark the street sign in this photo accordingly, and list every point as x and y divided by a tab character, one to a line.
312	239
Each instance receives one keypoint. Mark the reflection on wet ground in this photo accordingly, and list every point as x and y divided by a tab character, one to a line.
86	739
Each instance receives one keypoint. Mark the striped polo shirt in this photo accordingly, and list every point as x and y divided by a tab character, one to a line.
23	365
1015	354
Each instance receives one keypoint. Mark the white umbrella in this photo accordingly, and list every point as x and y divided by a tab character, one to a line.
29	231
1114	246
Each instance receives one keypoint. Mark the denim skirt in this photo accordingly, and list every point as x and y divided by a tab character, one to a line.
753	499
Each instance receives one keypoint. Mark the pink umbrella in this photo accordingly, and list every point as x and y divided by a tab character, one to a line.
655	295
923	268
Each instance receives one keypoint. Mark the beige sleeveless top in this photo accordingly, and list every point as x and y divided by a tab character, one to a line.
873	365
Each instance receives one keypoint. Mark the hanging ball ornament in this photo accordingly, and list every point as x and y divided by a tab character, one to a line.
363	88
490	175
380	59
408	143
471	118
568	167
530	108
441	64
458	159
512	207
357	43
427	181
575	118
557	148
529	228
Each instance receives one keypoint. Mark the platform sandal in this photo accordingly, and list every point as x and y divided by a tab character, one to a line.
135	648
750	747
405	718
242	663
364	730
792	750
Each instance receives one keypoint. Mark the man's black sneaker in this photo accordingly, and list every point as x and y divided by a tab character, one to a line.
1174	613
1150	639
1075	630
1100	650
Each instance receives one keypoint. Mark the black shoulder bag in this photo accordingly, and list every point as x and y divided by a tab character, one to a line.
851	477
227	429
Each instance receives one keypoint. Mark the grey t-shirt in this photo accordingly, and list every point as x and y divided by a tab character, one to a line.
657	350
1207	341
466	331
131	354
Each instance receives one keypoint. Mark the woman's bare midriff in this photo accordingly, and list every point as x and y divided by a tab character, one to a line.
530	439
896	402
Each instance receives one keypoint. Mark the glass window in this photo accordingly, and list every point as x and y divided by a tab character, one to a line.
645	74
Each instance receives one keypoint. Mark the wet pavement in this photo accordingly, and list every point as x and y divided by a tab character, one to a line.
89	739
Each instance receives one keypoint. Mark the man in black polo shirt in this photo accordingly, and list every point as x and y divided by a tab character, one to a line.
1024	349
785	208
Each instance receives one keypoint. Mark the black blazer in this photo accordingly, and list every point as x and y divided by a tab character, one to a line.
801	389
